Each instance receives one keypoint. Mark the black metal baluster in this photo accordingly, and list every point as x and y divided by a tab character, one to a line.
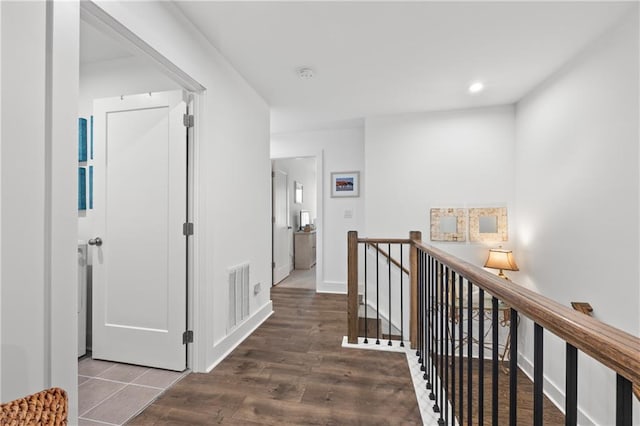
389	267
421	312
421	299
469	352
420	325
494	361
481	357
377	295
461	347
402	299
571	386
441	361
453	347
513	368
436	355
445	405
624	412
538	359
425	328
431	344
366	306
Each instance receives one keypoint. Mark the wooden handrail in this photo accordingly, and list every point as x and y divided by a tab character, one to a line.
385	240
612	347
389	258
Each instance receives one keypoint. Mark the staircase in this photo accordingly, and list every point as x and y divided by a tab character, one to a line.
374	324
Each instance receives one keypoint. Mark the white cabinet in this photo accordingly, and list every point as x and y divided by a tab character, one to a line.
304	246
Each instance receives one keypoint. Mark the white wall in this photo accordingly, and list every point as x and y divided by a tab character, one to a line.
577	201
39	181
38	198
340	150
232	144
418	161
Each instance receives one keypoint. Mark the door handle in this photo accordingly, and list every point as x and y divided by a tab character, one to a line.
97	241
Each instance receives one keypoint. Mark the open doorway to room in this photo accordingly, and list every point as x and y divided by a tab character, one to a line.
295	224
131	112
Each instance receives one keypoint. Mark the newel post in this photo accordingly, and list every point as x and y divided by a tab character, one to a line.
413	273
352	286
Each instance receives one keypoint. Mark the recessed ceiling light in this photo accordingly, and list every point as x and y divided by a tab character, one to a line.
476	87
305	73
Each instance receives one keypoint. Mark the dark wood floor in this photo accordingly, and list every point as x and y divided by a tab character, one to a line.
292	370
552	416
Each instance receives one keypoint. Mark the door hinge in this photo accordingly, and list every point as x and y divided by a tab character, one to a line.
187	337
188	120
273	174
273	265
273	219
187	228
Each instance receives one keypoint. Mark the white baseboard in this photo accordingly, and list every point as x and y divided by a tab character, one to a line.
335	287
553	392
224	347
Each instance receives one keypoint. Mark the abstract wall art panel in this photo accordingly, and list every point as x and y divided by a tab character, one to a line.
82	139
82	188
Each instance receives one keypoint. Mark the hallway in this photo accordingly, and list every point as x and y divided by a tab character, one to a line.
301	279
293	370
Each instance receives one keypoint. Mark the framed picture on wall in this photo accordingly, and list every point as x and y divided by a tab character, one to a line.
297	193
345	184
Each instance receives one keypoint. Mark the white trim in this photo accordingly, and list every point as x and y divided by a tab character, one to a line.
199	277
193	265
93	14
334	287
225	346
383	346
1	398
48	195
422	395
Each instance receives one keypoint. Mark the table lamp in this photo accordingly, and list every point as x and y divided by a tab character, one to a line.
501	259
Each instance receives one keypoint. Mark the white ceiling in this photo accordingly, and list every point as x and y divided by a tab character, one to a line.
374	58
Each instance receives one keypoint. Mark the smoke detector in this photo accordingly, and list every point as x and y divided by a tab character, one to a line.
305	73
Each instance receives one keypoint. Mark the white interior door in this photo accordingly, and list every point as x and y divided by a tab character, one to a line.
139	270
281	235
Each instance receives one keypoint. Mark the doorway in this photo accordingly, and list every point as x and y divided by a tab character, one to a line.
114	63
295	195
135	85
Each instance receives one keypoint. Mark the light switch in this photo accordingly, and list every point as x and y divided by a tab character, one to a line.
348	214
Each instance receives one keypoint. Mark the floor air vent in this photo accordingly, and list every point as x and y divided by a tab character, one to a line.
238	294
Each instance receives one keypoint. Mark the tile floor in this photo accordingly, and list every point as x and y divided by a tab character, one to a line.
111	394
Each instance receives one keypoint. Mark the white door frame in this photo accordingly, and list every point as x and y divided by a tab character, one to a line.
98	18
318	155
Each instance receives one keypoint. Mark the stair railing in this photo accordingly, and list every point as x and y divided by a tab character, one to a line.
447	294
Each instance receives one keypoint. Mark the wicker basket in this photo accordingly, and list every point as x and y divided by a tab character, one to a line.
48	407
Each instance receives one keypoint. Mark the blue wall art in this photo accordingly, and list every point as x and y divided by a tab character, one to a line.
90	187
82	188
82	139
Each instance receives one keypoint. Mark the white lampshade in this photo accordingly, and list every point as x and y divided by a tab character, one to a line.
501	259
